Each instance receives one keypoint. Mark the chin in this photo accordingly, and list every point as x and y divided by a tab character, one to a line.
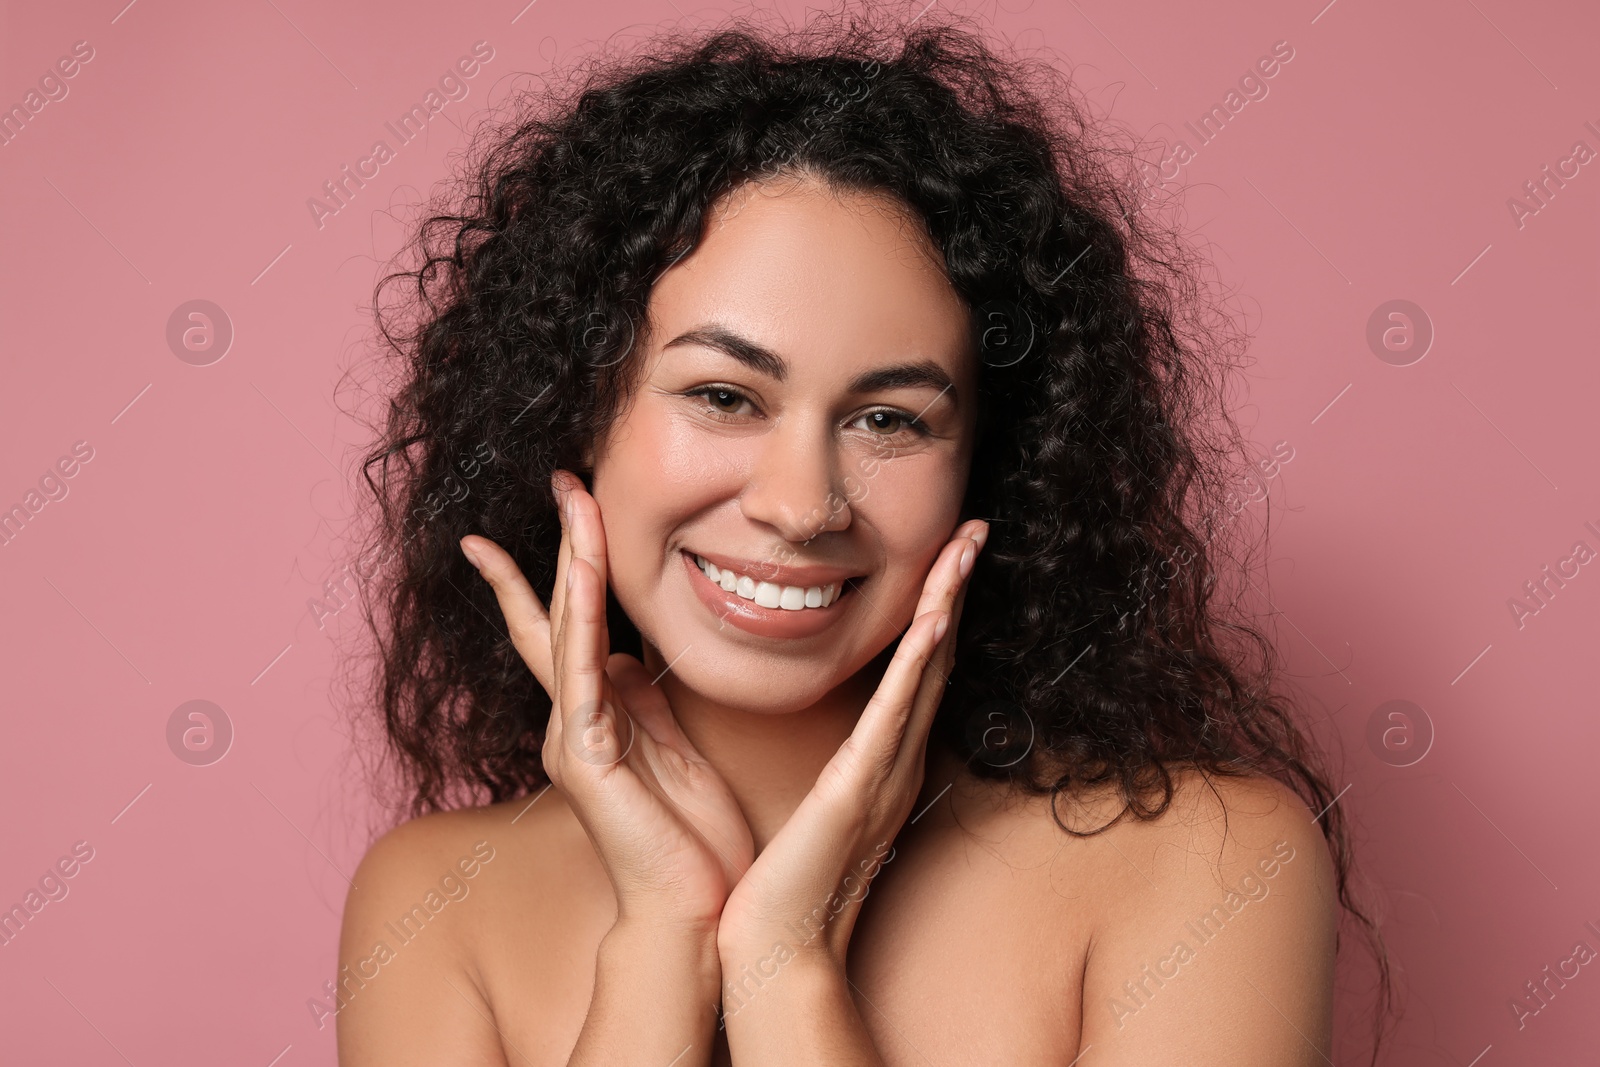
737	675
782	690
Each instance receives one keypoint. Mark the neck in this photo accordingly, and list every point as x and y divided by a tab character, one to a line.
770	762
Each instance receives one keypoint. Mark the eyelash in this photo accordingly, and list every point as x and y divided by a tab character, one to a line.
909	422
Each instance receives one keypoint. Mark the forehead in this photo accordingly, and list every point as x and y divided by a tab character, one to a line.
829	279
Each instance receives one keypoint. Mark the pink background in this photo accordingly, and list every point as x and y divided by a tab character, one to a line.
1419	500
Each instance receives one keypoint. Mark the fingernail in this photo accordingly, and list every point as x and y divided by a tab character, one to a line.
982	535
968	556
940	627
472	557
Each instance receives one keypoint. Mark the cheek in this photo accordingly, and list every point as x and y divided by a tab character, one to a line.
913	505
656	473
683	459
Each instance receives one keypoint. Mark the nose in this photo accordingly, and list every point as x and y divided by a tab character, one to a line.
794	486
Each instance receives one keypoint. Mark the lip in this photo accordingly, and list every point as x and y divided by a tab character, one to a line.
750	617
778	574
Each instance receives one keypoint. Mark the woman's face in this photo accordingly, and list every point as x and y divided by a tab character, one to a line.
803	418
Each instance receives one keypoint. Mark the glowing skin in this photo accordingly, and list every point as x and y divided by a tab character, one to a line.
595	942
797	471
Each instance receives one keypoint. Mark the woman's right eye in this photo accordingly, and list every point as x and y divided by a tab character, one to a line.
720	400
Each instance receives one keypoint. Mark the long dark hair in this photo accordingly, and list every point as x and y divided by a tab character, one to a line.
1103	640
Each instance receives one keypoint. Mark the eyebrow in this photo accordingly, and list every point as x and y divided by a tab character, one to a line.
921	373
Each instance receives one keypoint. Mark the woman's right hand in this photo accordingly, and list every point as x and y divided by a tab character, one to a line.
663	821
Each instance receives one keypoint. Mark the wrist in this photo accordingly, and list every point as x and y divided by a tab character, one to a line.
777	983
683	951
789	947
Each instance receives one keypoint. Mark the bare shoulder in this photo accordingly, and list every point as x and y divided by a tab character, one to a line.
1216	823
1217	932
534	835
1202	932
1215	829
428	909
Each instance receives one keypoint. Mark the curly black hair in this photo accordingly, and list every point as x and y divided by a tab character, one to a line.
1094	648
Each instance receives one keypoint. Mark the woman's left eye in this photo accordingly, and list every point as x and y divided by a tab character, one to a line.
890	423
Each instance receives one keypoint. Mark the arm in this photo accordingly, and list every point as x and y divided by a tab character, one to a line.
655	999
1228	956
801	1015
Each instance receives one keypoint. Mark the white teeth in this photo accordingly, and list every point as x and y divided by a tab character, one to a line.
769	594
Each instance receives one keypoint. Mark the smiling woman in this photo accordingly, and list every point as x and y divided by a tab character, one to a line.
792	565
807	334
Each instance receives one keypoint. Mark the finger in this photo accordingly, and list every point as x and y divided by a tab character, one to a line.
944	657
877	734
936	678
558	623
587	532
583	537
526	619
883	723
558	645
946	584
587	720
940	588
944	577
931	687
913	698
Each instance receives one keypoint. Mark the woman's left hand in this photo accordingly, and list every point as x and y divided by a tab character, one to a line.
805	888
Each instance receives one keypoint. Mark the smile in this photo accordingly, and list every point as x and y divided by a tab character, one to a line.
769	594
766	609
